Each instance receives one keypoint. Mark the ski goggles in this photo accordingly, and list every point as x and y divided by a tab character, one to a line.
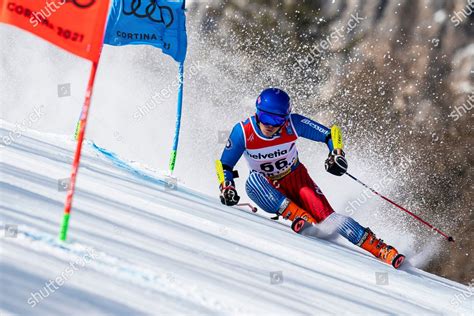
267	118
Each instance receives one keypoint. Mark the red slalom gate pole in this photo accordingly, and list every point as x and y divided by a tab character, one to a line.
449	238
77	155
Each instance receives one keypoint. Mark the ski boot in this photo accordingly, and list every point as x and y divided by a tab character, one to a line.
381	250
299	225
292	211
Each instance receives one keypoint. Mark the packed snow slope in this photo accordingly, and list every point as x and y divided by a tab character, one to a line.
140	245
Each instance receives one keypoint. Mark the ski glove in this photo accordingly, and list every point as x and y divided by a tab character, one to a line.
229	194
336	162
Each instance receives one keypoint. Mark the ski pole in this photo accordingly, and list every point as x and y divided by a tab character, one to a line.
253	208
449	238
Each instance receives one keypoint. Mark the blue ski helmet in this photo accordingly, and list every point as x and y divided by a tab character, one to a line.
274	101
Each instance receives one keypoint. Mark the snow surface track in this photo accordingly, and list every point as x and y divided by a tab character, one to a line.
154	249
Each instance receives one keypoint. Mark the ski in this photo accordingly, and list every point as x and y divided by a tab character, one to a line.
302	227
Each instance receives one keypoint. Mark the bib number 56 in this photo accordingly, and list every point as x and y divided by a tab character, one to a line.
279	165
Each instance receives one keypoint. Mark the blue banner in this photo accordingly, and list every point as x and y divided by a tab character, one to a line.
160	23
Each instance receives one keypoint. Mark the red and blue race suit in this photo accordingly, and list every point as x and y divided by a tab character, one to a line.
277	174
276	158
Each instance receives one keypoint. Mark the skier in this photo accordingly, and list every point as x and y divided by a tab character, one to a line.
279	183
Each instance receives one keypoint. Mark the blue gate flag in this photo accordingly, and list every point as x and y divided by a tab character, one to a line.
160	23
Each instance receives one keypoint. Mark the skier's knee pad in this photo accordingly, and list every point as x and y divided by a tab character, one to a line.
263	193
344	225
